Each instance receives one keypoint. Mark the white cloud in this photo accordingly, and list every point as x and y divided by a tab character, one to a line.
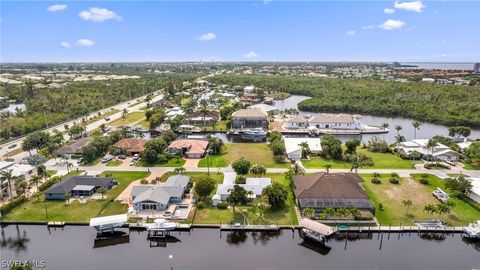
65	44
56	8
207	37
351	33
416	6
389	10
391	24
96	14
85	42
267	1
367	27
251	54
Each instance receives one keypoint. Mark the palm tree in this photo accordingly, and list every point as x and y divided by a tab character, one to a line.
6	175
124	113
297	169
407	204
309	212
430	147
102	191
327	167
179	170
305	149
416	126
398	128
20	186
430	209
35	180
69	165
385	125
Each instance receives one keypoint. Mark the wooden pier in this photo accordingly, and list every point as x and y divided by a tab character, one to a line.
238	227
402	229
56	224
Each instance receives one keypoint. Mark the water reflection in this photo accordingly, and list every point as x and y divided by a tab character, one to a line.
111	239
17	243
322	249
163	241
236	237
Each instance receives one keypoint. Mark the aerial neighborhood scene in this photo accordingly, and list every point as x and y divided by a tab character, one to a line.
240	135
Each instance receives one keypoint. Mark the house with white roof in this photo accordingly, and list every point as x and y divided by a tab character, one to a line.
265	107
174	112
294	150
475	194
249	89
324	120
438	152
254	185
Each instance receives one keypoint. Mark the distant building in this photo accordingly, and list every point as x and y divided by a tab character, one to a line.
250	118
428	80
249	89
331	190
475	194
73	147
476	68
265	107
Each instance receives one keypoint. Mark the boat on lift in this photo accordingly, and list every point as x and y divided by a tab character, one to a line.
472	231
315	230
161	225
254	134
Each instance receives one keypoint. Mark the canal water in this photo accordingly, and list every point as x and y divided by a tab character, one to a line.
74	247
427	130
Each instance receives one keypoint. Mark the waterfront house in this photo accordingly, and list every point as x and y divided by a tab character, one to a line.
199	119
331	190
158	198
324	121
475	193
131	146
74	147
172	113
294	150
253	185
439	152
265	107
77	186
249	118
190	148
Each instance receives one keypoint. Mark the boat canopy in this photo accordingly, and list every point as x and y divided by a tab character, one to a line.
108	220
317	227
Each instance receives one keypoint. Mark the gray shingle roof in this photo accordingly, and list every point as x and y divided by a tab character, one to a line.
68	184
154	193
177	180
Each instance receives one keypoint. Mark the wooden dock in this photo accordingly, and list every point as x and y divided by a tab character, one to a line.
400	229
236	227
56	224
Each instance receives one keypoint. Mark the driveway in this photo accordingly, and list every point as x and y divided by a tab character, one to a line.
191	163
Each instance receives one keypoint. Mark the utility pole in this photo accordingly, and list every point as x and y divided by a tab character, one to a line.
45	116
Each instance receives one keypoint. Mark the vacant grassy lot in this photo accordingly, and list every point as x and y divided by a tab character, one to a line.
215	161
380	161
174	162
36	210
471	166
395	213
253	213
254	152
129	119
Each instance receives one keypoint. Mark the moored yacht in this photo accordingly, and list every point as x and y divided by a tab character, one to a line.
473	230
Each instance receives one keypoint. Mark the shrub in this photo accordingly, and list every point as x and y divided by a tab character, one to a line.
279	159
423	181
394	180
50	182
143	181
240	179
108	174
222	205
380	206
241	166
11	205
162	158
201	204
376	181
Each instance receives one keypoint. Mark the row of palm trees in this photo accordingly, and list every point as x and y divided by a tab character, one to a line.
416	127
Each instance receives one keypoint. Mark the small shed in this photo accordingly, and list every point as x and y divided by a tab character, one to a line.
216	199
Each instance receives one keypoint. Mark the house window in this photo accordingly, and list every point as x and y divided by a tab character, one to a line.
149	206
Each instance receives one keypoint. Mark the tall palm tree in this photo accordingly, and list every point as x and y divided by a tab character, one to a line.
385	125
6	175
124	113
327	167
305	149
407	204
398	128
416	126
430	147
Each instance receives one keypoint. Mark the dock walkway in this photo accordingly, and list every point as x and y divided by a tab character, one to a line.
401	229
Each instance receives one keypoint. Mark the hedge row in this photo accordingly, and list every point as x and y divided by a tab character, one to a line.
4	209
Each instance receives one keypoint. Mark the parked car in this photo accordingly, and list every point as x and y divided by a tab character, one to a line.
107	158
451	162
441	195
132	163
12	146
122	157
136	157
107	118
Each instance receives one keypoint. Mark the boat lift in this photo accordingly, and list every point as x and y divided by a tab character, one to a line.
316	230
108	223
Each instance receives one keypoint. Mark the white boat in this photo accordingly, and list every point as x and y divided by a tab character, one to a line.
161	225
473	230
255	134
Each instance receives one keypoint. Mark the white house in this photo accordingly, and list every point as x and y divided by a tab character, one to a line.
249	89
438	152
255	185
325	120
174	112
475	194
264	107
293	149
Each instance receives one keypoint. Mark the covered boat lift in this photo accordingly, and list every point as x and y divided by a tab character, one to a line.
316	230
108	223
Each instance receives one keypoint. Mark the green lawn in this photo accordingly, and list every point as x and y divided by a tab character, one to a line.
114	163
285	216
380	161
215	161
135	104
471	166
51	172
219	126
254	152
174	162
129	119
34	210
144	123
394	212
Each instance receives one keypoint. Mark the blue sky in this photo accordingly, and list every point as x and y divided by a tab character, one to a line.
44	31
